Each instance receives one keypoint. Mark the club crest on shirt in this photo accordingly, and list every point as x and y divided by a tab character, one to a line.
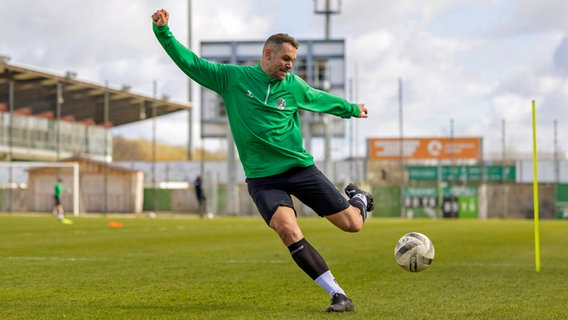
280	104
249	94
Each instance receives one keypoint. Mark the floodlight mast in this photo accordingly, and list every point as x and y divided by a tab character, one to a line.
327	11
328	122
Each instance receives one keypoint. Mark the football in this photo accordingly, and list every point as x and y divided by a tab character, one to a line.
414	252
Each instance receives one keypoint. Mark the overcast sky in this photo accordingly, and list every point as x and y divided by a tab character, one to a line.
476	63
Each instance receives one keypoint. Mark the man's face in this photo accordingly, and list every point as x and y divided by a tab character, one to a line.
280	60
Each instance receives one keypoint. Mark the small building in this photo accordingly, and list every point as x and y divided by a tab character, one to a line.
103	188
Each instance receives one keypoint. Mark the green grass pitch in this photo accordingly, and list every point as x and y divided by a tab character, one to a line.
236	268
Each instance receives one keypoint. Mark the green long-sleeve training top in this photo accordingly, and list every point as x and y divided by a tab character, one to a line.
262	112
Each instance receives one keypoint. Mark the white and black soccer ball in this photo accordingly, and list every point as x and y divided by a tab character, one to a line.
414	252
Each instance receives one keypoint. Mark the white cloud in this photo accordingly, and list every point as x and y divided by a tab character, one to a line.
540	16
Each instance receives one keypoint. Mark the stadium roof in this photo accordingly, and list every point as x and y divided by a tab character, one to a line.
35	93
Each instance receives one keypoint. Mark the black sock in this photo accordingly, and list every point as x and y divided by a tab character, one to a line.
308	259
359	204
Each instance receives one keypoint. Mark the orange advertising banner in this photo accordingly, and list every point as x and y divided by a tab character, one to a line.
425	148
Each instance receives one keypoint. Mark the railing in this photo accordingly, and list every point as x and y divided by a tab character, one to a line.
37	135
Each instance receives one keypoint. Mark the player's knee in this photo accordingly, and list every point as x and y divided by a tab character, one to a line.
288	233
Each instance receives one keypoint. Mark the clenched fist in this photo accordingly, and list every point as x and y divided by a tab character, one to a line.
160	17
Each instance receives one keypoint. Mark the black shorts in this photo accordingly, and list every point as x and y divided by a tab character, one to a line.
308	184
57	200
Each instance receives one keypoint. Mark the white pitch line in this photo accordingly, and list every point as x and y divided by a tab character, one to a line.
49	258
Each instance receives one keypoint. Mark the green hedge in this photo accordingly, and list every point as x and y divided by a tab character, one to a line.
387	201
163	199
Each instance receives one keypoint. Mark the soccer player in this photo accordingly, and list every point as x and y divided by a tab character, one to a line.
58	207
262	104
199	194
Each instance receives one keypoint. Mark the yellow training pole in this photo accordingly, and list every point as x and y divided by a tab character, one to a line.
535	192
